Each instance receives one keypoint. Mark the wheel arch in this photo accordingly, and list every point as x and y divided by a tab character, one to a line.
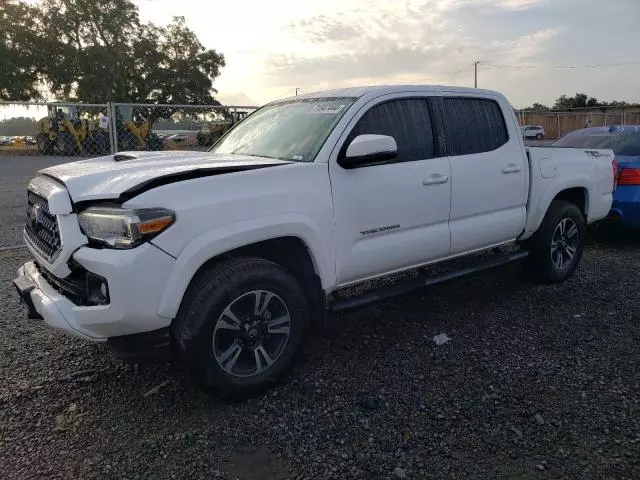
579	196
289	251
576	194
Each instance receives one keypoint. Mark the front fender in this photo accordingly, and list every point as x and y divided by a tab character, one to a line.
231	236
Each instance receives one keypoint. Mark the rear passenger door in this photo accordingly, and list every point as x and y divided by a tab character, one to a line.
393	214
488	172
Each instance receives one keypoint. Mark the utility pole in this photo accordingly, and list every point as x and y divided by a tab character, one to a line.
297	91
475	75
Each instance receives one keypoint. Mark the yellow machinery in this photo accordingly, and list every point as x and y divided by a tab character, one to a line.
135	134
212	132
62	131
209	134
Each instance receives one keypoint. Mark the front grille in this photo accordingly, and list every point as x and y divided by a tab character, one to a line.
41	227
74	286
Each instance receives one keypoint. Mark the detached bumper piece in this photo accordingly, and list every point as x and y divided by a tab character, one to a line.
147	347
24	286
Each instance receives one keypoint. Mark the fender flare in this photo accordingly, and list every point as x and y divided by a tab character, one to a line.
537	213
232	236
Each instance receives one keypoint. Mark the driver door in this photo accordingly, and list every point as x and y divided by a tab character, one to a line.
392	215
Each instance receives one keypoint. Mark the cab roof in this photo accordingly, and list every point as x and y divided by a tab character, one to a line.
378	90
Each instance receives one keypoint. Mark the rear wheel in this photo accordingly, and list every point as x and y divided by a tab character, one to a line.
127	141
240	327
556	248
154	142
539	136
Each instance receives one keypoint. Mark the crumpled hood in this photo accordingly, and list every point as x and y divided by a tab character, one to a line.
128	173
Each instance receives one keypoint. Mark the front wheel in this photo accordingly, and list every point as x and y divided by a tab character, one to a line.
539	136
556	248
66	144
240	327
44	144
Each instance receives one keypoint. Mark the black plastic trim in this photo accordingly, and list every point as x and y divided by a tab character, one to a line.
384	293
146	347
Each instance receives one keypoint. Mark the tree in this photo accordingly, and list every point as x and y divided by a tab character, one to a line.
537	106
20	49
579	100
18	126
96	52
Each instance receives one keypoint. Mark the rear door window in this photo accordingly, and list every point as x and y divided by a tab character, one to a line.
473	125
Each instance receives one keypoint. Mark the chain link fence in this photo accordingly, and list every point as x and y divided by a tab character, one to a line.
173	127
56	128
558	123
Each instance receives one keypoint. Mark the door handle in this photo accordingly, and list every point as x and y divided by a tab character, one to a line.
511	168
436	179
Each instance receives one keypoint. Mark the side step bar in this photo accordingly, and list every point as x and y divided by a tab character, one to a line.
384	293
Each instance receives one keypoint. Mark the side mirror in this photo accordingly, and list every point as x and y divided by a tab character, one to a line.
369	149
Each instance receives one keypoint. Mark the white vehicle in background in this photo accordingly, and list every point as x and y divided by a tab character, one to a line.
223	259
533	131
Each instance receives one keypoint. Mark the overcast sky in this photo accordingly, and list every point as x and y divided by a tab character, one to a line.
272	47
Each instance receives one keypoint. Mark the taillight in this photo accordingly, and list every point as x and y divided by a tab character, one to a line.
629	176
616	172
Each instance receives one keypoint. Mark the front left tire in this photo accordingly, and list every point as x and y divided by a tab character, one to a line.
240	327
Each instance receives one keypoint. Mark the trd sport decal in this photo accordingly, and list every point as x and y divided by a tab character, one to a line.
378	230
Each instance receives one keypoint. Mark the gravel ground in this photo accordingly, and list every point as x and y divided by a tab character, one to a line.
536	382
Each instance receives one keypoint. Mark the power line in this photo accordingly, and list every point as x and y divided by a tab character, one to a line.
458	72
561	67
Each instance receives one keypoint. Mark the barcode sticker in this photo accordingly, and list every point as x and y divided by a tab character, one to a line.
327	108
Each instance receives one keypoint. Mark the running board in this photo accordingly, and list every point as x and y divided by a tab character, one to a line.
384	293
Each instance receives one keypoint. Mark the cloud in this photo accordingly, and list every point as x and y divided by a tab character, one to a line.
448	5
416	41
519	4
235	98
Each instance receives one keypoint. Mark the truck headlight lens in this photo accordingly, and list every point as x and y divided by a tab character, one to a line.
121	228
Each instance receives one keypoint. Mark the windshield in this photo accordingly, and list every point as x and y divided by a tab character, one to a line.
293	130
622	143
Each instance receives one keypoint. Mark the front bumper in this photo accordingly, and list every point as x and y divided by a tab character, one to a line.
136	280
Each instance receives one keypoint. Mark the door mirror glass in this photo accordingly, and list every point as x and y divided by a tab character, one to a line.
369	149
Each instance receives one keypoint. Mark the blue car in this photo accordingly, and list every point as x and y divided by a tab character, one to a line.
625	143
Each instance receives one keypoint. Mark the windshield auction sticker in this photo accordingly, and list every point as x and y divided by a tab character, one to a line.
327	108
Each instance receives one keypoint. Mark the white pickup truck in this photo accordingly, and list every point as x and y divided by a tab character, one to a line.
222	259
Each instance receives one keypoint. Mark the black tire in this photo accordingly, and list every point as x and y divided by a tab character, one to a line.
539	136
97	143
210	293
127	141
45	145
66	144
154	142
542	262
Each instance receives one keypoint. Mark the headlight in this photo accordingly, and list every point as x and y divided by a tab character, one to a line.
121	228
